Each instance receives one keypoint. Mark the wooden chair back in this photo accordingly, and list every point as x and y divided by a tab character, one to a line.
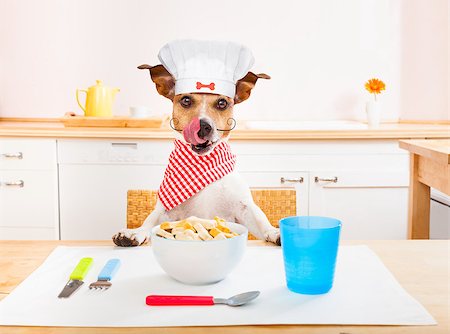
275	203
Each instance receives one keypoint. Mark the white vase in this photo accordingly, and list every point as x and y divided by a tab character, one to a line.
373	111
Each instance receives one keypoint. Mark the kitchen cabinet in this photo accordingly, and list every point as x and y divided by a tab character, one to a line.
28	189
362	183
370	205
282	180
76	188
94	176
369	195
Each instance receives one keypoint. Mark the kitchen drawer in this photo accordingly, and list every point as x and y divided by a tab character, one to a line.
28	233
154	152
294	163
27	154
34	204
316	147
294	156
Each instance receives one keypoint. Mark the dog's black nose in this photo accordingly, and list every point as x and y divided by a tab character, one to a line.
205	129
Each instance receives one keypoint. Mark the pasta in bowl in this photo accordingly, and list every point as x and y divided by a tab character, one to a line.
199	251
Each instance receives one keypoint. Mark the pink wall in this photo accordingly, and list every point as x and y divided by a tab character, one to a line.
319	53
425	58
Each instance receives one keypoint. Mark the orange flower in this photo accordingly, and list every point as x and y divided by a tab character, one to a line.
375	86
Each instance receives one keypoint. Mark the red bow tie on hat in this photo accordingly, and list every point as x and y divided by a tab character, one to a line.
188	173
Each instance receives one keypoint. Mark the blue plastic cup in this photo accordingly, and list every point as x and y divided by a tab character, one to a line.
310	246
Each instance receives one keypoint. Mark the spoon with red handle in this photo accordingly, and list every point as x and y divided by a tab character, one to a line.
170	300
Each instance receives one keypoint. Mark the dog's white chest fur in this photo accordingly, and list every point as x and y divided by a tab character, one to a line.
229	198
223	198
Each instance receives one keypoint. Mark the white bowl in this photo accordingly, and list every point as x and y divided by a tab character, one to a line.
200	262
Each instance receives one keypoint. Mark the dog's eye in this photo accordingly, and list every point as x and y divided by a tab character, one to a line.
186	101
222	104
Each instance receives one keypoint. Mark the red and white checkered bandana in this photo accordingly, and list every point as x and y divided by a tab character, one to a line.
188	173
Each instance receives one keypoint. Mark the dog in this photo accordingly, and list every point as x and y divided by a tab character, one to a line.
204	120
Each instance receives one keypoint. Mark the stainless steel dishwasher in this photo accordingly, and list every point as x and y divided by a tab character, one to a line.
439	215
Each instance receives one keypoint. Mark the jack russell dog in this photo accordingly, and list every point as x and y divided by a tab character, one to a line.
203	122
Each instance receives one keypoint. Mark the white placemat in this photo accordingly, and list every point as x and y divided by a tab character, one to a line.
365	293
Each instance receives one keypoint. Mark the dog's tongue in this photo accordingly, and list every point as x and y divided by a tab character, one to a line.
190	132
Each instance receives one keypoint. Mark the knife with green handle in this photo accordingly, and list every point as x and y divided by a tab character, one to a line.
76	277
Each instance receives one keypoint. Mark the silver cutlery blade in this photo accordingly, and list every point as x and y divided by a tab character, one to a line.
70	288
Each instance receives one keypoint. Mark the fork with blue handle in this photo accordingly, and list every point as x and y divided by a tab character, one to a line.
106	275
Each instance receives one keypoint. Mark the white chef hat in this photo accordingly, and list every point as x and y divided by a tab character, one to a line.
206	66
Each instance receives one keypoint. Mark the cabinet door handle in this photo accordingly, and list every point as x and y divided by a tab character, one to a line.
19	183
298	180
17	155
318	179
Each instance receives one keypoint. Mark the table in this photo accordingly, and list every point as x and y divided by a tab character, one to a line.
429	167
421	267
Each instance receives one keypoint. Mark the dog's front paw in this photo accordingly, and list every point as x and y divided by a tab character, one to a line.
273	236
130	237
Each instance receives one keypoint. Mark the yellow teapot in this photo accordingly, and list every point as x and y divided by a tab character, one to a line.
99	100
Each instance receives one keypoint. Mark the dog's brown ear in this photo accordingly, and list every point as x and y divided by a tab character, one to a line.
164	81
246	84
